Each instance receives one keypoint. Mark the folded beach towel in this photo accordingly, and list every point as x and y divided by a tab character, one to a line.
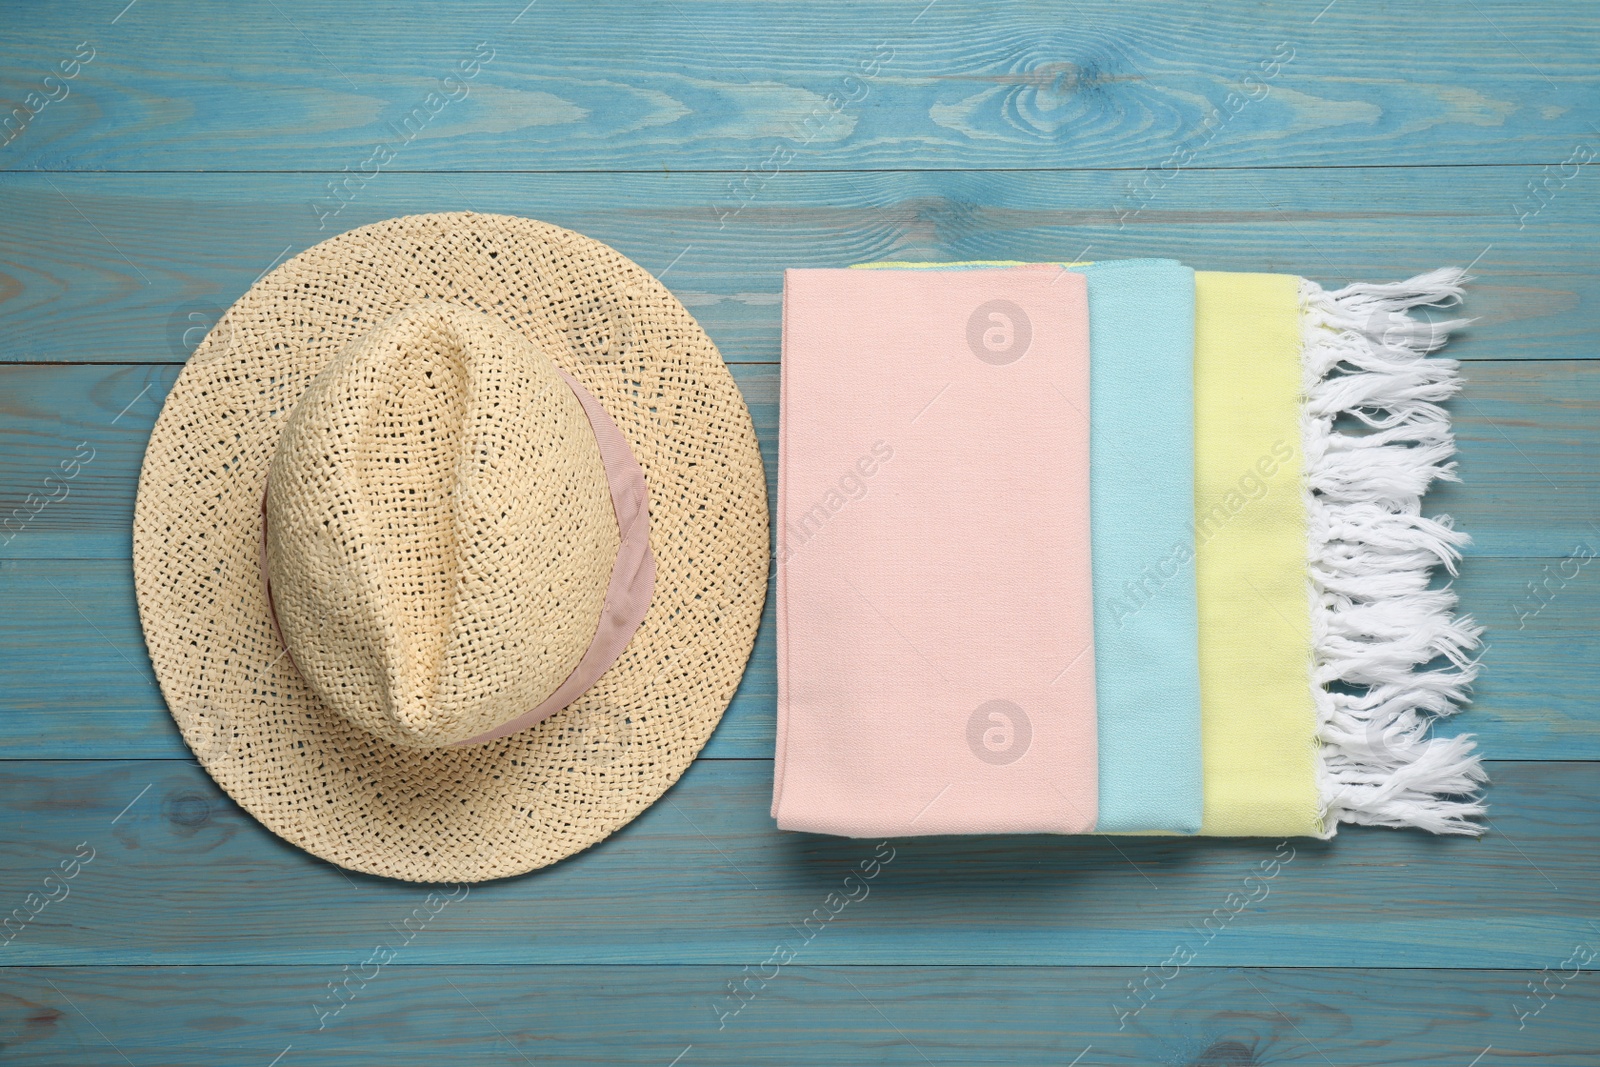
936	662
1317	624
1319	632
1147	673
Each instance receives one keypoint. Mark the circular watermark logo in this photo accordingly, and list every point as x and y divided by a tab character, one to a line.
211	735
1401	329
998	732
188	325
606	739
999	332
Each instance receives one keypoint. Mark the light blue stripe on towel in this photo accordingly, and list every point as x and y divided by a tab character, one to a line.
1141	499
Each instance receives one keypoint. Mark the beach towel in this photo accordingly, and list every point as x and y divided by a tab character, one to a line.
936	660
1325	655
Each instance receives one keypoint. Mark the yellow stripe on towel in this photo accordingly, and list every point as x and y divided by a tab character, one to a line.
1259	722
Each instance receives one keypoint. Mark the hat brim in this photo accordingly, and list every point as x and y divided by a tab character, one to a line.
528	800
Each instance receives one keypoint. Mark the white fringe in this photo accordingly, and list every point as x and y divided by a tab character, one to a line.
1376	626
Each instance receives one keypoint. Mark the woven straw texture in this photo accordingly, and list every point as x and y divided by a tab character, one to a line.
440	531
513	805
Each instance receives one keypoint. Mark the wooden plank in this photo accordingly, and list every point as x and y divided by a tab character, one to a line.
646	1016
179	876
1529	436
75	619
72	439
134	268
838	83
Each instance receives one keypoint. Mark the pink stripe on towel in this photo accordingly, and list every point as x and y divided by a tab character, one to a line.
935	616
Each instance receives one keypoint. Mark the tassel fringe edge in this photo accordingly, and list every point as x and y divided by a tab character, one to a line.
1379	633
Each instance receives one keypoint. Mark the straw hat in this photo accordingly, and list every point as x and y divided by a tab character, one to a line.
450	546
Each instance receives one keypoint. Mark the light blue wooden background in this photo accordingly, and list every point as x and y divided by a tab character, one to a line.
717	143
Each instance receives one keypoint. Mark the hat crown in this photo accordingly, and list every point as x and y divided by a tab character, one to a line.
440	532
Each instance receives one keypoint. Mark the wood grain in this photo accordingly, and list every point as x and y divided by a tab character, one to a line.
610	85
183	877
134	268
826	1016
